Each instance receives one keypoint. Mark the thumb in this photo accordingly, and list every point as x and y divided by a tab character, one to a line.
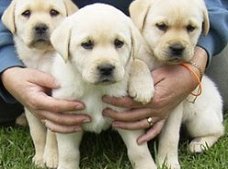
44	79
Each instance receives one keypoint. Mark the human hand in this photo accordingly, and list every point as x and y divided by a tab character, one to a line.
172	84
31	87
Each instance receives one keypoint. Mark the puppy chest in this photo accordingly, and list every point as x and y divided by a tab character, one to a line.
41	62
94	105
94	108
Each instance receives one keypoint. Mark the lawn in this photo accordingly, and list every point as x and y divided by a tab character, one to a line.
104	151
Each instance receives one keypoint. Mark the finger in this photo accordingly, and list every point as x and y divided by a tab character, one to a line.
64	119
125	102
127	116
45	102
62	129
142	124
44	79
151	133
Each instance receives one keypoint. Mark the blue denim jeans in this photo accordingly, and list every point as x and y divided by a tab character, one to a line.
9	112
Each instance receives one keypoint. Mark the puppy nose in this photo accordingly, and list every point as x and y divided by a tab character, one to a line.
40	28
106	69
176	49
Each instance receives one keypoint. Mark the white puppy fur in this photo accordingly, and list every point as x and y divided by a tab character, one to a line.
32	23
171	29
100	50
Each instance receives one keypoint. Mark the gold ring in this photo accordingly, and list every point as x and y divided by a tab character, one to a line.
150	121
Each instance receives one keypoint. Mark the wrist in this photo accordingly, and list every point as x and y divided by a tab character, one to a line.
199	60
5	74
195	72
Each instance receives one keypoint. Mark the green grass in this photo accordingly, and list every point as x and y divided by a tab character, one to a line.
104	151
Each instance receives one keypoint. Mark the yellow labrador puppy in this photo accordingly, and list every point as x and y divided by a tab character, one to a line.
100	49
32	23
171	29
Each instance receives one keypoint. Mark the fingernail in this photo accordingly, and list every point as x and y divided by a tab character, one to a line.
105	99
77	128
140	141
87	120
79	106
57	84
43	121
105	111
116	124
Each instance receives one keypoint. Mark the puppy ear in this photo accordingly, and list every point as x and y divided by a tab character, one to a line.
60	40
138	10
8	17
138	43
70	7
206	22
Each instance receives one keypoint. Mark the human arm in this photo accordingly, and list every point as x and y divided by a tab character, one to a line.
172	83
168	82
31	87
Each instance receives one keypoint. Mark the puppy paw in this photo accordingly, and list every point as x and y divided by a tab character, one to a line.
141	92
173	166
21	120
169	163
38	161
68	167
145	165
198	145
51	157
51	160
201	144
141	86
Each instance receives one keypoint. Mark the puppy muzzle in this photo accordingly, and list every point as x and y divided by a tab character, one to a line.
106	73
176	50
41	33
40	29
175	53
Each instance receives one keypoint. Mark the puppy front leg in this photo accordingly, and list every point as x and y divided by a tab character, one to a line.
169	139
38	134
139	155
68	146
141	85
51	150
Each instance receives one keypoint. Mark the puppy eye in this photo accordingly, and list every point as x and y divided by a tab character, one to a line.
87	45
26	13
190	28
53	12
118	43
161	26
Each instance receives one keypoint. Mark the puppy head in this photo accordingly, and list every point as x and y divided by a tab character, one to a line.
99	42
32	22
171	28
